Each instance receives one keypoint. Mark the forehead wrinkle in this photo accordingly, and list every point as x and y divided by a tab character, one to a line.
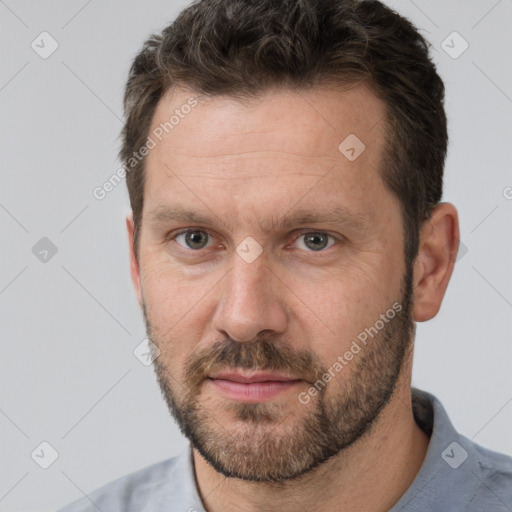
299	166
331	156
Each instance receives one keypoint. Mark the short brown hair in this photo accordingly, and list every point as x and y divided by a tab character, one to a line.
242	47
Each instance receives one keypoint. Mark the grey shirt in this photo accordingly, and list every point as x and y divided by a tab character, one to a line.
457	475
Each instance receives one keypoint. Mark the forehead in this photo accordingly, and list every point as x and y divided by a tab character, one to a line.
302	123
268	150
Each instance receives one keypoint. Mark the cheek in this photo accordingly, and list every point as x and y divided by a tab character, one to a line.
332	310
333	319
174	306
167	290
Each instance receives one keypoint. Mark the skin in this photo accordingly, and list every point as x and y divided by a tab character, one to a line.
245	164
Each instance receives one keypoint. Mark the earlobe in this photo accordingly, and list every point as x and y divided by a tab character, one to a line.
134	263
439	243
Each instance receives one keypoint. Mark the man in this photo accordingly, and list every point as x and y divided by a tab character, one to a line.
284	163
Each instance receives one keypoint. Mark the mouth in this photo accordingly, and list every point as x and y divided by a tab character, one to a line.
255	387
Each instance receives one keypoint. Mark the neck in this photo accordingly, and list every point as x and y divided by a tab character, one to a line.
370	475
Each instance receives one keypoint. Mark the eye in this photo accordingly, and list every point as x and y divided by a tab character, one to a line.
197	239
316	240
192	238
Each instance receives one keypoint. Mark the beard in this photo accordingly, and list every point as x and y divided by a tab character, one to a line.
256	444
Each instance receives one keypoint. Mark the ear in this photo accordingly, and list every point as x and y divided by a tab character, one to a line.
134	264
433	267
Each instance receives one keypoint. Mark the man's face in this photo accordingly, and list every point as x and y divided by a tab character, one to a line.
243	291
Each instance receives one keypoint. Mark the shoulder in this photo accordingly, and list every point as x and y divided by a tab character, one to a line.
132	492
457	473
493	472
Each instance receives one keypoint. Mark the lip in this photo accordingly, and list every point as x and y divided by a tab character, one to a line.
254	377
257	387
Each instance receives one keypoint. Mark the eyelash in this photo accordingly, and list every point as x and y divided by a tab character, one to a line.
173	235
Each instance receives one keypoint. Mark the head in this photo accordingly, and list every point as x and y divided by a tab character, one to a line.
287	199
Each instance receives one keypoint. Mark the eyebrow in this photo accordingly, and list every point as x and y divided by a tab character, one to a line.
338	214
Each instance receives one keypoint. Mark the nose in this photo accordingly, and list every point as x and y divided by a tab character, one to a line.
251	301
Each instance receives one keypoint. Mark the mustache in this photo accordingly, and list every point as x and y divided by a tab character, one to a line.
257	355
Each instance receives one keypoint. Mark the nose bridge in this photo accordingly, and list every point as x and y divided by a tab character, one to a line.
249	301
250	278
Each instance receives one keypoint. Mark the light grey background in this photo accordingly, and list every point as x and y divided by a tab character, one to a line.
69	325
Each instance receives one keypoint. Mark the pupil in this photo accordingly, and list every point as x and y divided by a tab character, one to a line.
194	237
314	237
